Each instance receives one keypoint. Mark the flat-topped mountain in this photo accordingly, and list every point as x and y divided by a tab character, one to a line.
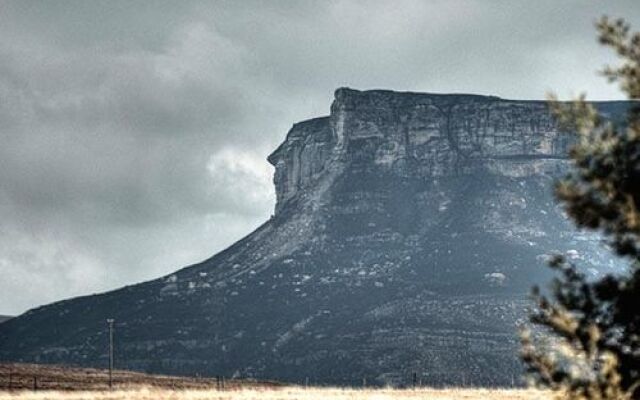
409	228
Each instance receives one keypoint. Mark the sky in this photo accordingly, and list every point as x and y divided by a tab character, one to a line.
134	135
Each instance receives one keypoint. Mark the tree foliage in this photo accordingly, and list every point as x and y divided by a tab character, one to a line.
593	349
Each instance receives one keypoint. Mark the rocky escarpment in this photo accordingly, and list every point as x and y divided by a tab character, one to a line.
408	230
414	134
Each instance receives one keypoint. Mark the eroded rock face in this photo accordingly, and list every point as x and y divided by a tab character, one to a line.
302	158
408	231
420	135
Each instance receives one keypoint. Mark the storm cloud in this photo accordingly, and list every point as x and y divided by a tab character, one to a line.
134	136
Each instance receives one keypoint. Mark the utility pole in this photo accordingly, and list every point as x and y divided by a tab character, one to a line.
110	322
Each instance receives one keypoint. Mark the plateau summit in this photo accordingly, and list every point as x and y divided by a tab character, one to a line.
408	230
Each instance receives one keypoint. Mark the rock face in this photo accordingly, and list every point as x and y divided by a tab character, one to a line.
408	230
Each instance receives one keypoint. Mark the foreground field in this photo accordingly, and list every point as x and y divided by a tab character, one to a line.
289	393
18	381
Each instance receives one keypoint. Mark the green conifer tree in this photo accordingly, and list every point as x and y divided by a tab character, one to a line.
589	344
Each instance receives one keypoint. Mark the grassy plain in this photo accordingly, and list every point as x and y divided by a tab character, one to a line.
65	383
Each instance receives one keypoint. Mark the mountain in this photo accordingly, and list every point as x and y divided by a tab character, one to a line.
408	230
4	318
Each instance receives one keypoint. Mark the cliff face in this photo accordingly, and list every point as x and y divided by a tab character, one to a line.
302	158
408	230
420	135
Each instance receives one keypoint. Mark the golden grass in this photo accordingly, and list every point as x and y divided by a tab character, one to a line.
284	393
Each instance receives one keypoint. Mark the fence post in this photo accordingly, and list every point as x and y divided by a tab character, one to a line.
35	383
415	379
110	322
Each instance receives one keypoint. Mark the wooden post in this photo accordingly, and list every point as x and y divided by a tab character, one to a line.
415	380
35	383
110	323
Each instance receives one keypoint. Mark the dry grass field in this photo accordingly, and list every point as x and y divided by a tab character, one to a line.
63	383
285	393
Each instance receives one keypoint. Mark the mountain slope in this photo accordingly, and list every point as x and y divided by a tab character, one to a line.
408	230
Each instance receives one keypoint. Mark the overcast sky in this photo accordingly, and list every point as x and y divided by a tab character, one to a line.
133	135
